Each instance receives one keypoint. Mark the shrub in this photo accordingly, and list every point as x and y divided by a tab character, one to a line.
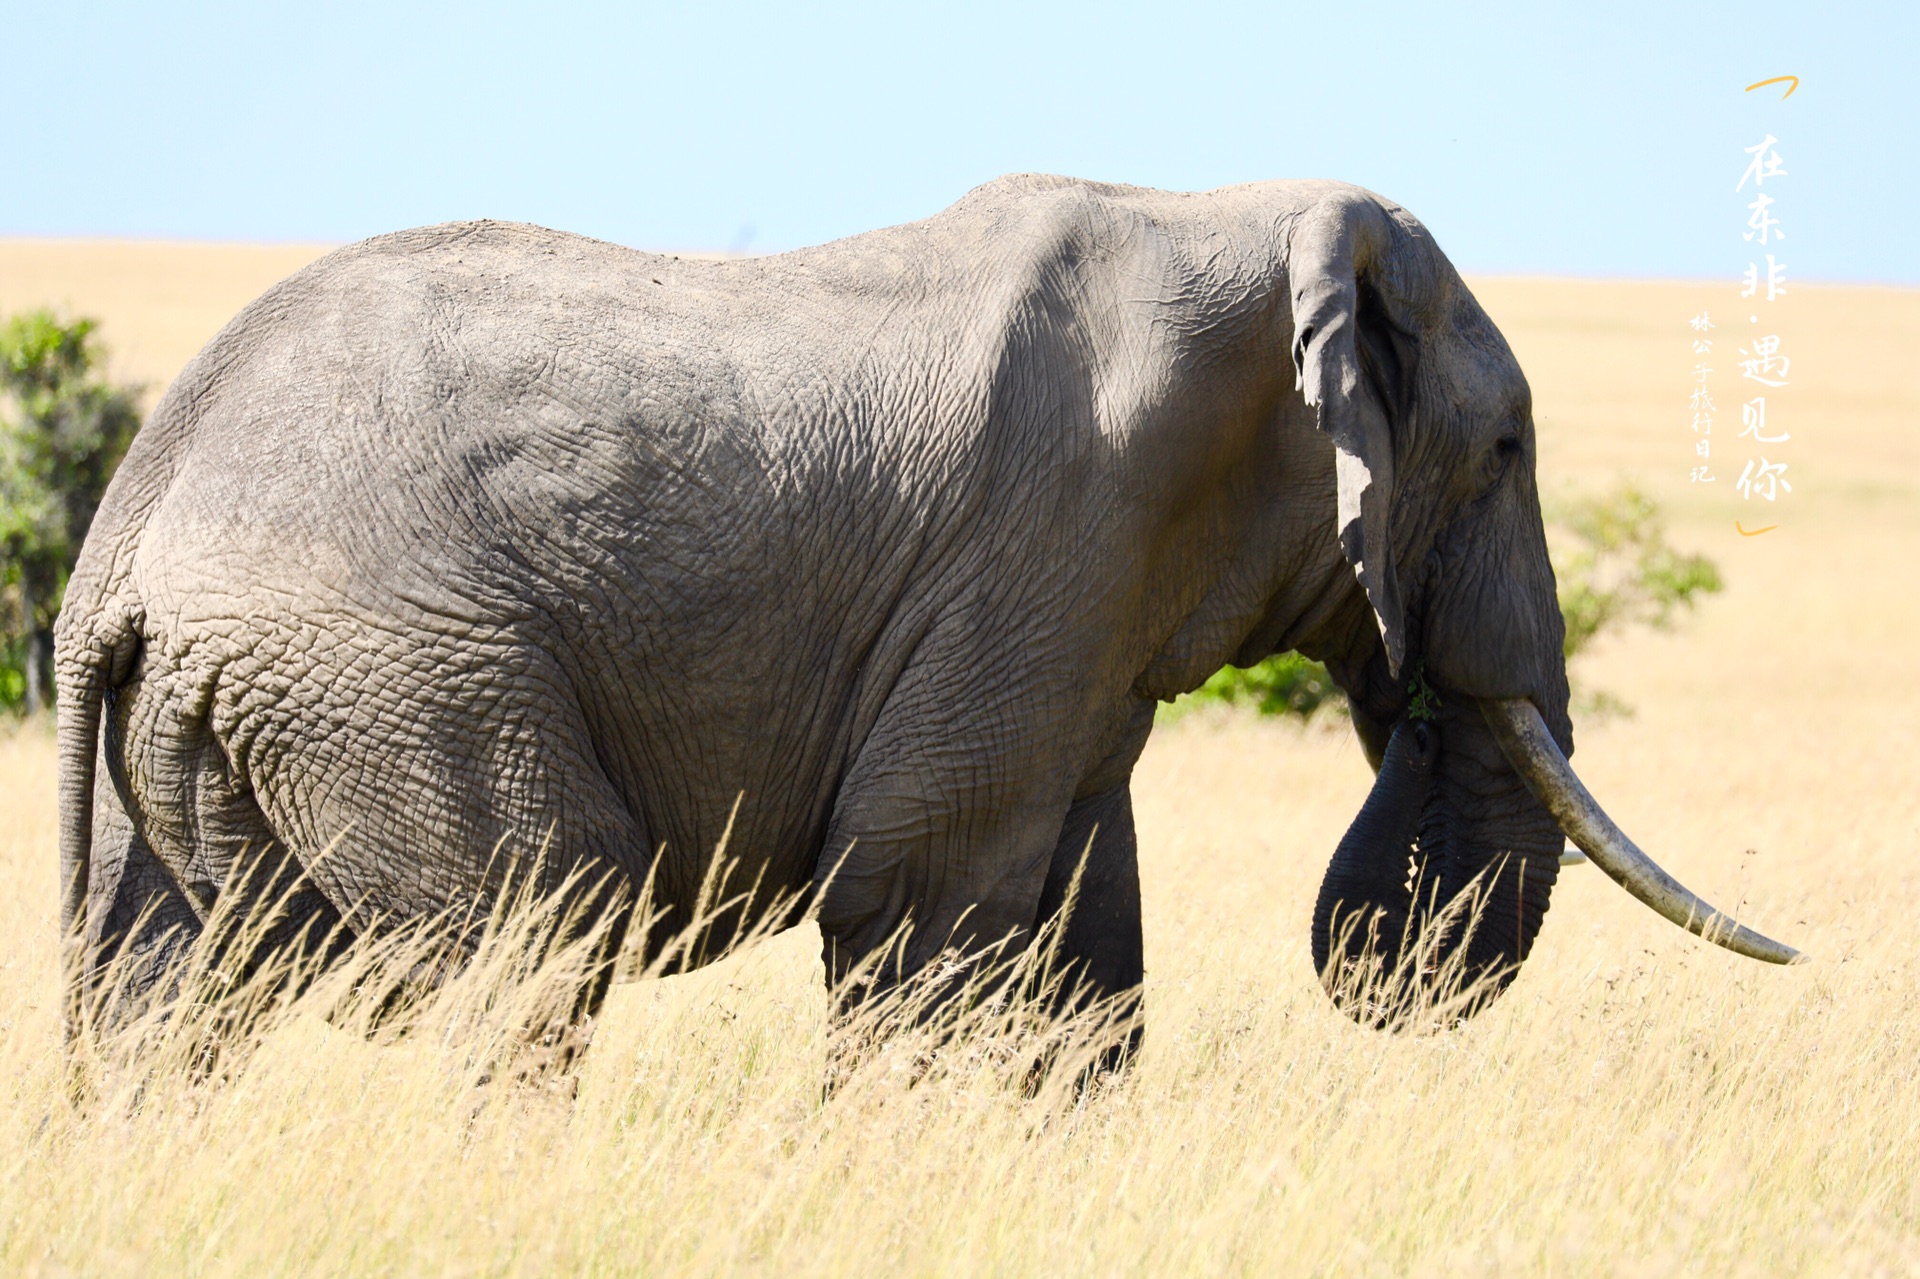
1614	570
63	430
1284	684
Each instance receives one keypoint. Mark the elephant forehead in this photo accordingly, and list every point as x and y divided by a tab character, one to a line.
1472	365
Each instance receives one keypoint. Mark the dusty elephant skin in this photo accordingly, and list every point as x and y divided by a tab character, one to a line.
483	532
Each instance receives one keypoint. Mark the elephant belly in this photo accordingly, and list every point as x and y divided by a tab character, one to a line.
413	746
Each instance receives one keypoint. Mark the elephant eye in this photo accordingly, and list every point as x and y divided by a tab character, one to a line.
1505	450
1497	461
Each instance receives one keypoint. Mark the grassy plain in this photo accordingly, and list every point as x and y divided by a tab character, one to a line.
1638	1104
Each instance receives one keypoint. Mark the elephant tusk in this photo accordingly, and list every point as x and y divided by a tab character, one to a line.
1530	748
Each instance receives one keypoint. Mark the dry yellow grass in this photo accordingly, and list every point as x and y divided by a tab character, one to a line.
160	301
1639	1102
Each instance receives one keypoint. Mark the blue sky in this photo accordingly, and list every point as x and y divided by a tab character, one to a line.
1590	140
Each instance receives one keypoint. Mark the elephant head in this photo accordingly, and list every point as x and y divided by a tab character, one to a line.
1457	681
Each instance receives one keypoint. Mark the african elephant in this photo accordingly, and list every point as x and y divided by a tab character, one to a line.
484	532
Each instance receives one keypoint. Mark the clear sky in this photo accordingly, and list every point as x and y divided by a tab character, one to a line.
1592	139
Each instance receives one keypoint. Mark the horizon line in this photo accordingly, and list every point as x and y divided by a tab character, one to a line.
1546	275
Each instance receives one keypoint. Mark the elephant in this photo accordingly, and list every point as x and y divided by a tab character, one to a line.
484	536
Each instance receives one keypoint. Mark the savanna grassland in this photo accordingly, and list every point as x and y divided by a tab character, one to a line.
1639	1103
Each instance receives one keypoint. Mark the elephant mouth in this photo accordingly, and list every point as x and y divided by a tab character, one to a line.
1435	894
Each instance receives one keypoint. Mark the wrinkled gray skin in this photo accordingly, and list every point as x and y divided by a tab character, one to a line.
480	531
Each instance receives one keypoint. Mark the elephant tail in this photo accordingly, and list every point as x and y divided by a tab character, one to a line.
91	653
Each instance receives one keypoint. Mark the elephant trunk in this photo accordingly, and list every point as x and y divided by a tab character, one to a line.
1438	889
1367	894
1435	895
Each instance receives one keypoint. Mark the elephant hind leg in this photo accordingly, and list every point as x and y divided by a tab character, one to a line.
192	853
147	933
141	924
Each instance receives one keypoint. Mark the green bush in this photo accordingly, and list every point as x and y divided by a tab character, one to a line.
1614	570
63	429
1284	684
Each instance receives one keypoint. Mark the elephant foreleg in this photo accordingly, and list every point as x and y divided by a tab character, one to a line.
1090	914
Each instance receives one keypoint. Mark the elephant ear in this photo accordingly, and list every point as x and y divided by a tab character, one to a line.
1355	365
